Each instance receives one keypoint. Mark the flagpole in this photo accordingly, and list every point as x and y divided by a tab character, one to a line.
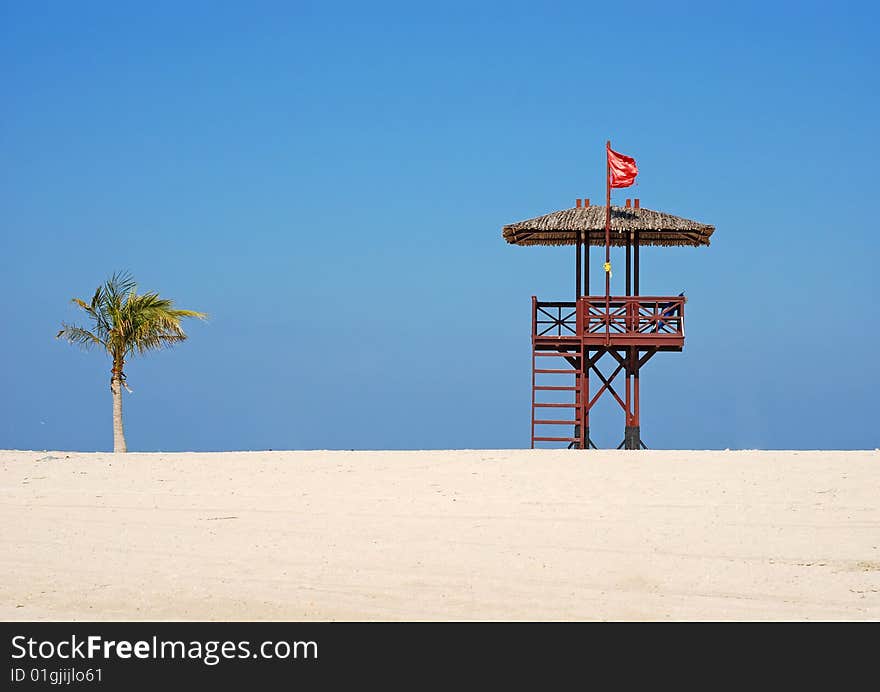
607	233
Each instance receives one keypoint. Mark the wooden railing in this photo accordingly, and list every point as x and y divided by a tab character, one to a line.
554	318
641	318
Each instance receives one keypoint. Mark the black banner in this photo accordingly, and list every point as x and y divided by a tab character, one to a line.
113	656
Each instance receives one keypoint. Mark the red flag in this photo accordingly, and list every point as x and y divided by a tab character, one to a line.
622	169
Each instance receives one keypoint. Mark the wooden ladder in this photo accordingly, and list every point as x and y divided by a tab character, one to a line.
547	379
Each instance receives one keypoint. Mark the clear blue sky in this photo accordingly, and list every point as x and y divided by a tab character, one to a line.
329	182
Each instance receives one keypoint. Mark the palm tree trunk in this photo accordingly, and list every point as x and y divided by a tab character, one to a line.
116	388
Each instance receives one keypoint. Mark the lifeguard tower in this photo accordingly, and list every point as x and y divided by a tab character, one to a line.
570	338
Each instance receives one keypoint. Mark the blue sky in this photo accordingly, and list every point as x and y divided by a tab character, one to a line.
329	181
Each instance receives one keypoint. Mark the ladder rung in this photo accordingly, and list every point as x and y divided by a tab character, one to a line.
556	439
557	372
536	405
557	422
548	388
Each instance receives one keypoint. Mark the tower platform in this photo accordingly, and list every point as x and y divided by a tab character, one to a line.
644	321
569	338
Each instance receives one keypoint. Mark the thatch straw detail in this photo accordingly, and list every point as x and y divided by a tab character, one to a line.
563	227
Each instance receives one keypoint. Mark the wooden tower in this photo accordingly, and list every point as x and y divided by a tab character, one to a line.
571	339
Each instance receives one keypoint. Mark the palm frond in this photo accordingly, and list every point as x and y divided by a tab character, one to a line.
190	313
119	285
154	322
78	336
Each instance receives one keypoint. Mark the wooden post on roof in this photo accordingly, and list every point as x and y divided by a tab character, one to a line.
636	243
586	235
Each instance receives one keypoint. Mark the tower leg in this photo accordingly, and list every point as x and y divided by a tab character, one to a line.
585	399
631	437
632	434
636	415
577	414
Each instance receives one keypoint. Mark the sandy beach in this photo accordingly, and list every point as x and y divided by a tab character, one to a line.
440	535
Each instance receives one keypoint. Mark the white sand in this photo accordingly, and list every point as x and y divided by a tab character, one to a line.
440	535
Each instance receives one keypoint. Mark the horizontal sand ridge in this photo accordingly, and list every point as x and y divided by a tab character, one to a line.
427	535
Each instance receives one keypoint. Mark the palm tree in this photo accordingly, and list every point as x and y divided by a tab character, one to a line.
124	324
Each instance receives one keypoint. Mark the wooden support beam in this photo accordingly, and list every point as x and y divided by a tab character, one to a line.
606	384
586	264
636	265
645	358
619	358
592	360
636	412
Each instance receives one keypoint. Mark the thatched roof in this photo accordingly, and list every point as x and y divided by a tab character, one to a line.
562	227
